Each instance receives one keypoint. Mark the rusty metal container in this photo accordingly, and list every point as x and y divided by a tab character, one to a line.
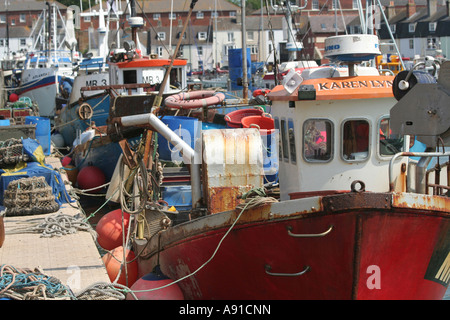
232	165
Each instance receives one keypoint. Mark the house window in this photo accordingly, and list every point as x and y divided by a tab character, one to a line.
159	51
23	42
412	27
13	22
2	18
250	35
87	19
389	144
230	36
200	51
172	16
22	17
411	43
334	4
232	14
226	48
355	4
161	35
355	140
2	43
323	26
317	140
254	49
156	16
200	15
214	14
392	26
202	36
315	5
432	26
431	43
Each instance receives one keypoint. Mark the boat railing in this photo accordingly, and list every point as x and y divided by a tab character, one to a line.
422	174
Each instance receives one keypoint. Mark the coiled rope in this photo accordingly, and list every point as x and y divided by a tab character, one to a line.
59	225
26	284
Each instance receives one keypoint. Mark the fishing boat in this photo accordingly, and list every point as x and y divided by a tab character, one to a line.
354	218
48	61
91	71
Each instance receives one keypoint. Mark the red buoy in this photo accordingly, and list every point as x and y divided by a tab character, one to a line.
13	97
66	161
90	177
109	229
155	280
113	266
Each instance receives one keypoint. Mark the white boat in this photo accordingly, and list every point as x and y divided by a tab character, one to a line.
48	61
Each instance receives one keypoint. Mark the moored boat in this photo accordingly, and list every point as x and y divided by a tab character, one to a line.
355	217
48	62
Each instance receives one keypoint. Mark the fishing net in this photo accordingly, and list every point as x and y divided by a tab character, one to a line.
29	196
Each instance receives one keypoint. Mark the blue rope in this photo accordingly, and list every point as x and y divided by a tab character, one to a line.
23	281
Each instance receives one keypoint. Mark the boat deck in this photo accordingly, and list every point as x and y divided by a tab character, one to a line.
73	259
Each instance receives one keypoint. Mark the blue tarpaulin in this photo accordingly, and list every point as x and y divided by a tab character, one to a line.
35	169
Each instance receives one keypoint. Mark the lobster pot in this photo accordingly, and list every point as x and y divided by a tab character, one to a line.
11	152
42	131
186	128
29	196
266	127
232	165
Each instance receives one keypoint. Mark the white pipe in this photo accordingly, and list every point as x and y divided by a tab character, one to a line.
189	154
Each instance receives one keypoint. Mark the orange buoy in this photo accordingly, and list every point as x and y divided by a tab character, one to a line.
109	229
72	173
113	266
155	280
90	177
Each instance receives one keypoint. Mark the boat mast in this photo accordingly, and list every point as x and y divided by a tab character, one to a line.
158	99
244	54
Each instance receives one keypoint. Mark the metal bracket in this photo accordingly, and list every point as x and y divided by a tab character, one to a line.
128	155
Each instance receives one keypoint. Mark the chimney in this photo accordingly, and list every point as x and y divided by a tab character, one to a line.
431	7
410	8
390	10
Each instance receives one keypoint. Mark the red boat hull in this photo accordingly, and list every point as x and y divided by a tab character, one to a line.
370	253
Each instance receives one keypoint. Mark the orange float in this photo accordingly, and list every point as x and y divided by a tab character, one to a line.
109	229
113	266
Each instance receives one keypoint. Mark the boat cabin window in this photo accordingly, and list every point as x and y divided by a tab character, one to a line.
277	128
284	140
355	140
291	135
389	144
129	76
317	140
